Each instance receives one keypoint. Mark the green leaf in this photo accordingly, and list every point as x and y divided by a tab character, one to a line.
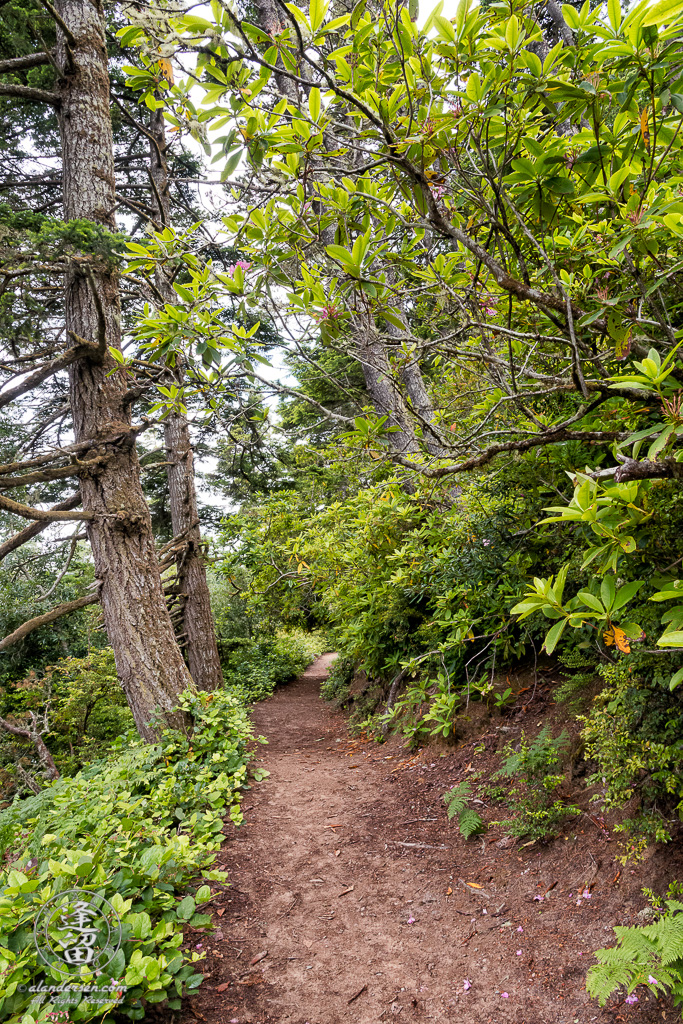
357	12
338	252
186	908
676	679
470	823
316	13
665	10
553	636
673	639
314	103
607	592
393	319
614	13
591	600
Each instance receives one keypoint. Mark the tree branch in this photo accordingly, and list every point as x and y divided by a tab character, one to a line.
27	92
48	369
53	515
47	617
20	538
646	469
31	60
34	736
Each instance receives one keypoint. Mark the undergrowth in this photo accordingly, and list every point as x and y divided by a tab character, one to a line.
141	828
649	957
532	798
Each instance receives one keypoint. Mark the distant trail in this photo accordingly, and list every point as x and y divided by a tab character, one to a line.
355	919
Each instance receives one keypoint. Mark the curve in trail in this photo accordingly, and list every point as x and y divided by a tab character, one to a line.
347	902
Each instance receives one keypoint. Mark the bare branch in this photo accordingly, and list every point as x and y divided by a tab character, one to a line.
47	617
83	348
18	539
30	60
26	92
48	516
36	739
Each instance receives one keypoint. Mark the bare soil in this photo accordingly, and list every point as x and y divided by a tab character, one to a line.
353	899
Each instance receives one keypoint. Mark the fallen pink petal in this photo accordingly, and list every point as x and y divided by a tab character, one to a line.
631	1000
519	952
504	995
467	985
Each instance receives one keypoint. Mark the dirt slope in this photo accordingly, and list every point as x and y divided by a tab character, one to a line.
349	878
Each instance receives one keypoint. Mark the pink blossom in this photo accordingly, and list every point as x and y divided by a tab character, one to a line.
652	981
504	995
520	929
467	985
539	898
519	952
411	920
631	999
242	264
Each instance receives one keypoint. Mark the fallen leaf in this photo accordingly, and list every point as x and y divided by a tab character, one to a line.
449	891
221	911
259	956
222	988
350	889
474	885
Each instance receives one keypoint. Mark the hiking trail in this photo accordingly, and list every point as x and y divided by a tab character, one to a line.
349	898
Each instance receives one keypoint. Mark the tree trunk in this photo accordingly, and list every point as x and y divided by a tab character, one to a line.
148	660
197	620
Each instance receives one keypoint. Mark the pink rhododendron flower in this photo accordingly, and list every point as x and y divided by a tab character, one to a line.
652	981
467	985
242	264
504	995
631	999
519	952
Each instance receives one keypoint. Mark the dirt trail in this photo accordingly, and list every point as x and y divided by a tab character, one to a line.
350	880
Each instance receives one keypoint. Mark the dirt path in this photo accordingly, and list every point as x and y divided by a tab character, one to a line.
348	889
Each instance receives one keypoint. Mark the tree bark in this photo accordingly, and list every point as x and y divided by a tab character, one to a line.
197	621
148	660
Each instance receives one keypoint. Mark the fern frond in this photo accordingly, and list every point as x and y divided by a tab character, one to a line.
652	951
456	798
471	823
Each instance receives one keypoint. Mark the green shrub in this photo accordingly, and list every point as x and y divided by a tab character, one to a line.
537	812
634	733
253	667
137	828
337	685
651	956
